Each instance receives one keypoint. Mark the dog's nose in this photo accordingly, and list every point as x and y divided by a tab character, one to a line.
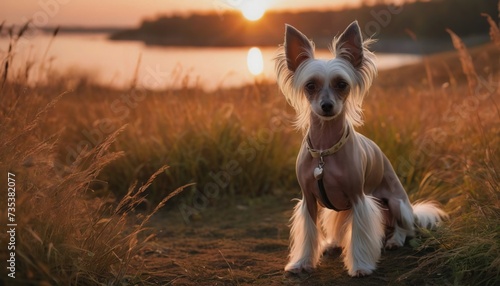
327	106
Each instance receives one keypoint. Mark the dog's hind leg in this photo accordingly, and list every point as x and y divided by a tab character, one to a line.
397	238
402	214
363	239
400	210
305	237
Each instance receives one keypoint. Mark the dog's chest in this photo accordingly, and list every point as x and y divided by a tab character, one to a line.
342	184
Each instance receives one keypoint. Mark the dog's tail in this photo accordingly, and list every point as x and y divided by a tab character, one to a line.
428	214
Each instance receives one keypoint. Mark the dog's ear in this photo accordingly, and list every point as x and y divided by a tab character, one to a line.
298	48
350	45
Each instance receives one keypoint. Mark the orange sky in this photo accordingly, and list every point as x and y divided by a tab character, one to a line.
127	12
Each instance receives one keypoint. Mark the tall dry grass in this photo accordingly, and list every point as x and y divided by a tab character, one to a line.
65	234
197	134
468	247
454	157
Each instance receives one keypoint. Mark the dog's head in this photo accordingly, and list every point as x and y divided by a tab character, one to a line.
327	88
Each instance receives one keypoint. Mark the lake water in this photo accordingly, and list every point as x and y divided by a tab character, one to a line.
115	63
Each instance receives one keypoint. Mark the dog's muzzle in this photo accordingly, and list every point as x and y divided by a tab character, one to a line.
327	107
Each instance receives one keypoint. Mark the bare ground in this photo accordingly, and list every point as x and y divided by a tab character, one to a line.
247	243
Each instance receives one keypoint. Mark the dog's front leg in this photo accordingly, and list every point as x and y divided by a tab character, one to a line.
364	235
305	250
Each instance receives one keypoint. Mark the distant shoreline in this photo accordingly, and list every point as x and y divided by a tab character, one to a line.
415	28
389	45
402	45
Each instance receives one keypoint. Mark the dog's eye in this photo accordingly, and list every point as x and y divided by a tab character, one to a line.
310	86
341	85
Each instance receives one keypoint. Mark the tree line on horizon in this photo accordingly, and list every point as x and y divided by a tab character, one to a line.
423	20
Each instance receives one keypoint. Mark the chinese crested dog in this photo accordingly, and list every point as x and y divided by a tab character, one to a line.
351	197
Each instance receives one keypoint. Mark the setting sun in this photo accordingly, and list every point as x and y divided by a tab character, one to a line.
253	10
255	62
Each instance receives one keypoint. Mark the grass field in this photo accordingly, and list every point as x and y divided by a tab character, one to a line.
90	165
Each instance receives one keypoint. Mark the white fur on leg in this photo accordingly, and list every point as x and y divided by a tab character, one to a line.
403	227
305	237
397	238
428	214
407	216
363	238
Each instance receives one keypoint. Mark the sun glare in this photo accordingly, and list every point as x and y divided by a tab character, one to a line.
253	10
255	62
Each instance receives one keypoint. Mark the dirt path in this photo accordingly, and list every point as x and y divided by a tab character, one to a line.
247	244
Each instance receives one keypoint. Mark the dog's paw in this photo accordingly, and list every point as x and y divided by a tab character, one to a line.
393	244
299	267
360	272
